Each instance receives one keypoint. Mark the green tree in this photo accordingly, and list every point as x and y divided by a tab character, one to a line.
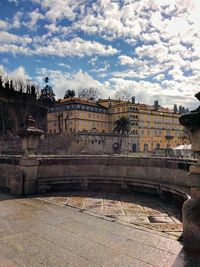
47	94
122	127
69	93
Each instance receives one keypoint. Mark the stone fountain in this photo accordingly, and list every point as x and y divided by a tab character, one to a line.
191	207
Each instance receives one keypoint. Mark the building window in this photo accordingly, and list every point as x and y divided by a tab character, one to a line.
146	147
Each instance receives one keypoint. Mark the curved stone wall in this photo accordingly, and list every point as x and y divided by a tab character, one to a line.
88	172
156	175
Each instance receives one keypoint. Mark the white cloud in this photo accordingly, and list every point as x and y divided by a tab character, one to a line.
102	70
162	40
126	60
34	16
61	81
16	22
8	38
17	74
168	94
75	47
4	25
159	77
56	10
14	49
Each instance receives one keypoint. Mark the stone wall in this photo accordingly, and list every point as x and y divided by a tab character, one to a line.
85	143
156	175
47	173
11	177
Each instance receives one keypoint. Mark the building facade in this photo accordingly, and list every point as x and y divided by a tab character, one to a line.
152	126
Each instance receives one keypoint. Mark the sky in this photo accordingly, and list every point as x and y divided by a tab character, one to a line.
149	48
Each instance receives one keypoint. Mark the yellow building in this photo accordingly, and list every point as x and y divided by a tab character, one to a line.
152	126
75	114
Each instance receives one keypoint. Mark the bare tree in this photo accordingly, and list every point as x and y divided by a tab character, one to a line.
19	85
123	94
89	93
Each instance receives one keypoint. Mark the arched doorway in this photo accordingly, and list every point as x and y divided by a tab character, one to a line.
115	147
157	146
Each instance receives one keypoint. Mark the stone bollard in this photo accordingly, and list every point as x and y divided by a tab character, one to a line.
30	137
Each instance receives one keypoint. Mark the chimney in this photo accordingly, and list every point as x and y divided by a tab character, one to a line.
133	99
156	104
175	108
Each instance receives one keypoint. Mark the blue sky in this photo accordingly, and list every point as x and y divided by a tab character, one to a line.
145	48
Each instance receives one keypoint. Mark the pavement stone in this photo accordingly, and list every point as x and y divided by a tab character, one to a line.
45	231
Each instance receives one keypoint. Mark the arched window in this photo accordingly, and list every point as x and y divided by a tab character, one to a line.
134	147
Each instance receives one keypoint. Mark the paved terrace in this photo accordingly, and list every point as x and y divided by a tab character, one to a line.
40	232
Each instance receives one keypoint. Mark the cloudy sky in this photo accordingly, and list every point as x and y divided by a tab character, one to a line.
150	48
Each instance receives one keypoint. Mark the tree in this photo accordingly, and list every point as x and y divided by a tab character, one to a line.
47	94
122	127
123	94
168	139
69	93
89	93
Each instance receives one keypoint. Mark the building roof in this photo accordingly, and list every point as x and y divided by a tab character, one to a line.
107	103
79	100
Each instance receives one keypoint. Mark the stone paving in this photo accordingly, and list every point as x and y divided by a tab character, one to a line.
134	209
41	231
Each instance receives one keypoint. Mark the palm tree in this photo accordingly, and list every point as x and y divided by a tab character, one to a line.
122	127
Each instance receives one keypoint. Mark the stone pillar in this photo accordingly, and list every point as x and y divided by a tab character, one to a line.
30	136
29	169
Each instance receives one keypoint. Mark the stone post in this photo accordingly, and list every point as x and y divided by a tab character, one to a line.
29	168
30	136
191	207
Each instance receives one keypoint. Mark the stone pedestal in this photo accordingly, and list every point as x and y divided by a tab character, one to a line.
29	168
30	136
